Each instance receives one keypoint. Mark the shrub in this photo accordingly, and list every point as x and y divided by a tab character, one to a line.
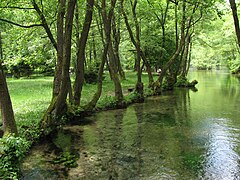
107	102
90	77
12	150
20	69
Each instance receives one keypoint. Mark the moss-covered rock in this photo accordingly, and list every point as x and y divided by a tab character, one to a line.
184	82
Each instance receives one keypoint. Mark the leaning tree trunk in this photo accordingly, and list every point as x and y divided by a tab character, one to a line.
79	80
185	57
112	60
91	105
61	98
139	84
107	29
189	56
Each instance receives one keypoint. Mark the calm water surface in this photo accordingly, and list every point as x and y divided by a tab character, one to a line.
183	134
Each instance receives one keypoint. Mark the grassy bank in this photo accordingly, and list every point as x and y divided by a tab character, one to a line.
31	97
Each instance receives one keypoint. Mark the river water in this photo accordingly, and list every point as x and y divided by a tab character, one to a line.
184	134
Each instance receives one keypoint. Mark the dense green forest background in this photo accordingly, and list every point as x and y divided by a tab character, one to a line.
28	50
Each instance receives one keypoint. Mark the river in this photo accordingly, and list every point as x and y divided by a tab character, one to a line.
184	134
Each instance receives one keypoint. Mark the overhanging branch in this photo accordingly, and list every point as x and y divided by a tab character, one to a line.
20	25
15	7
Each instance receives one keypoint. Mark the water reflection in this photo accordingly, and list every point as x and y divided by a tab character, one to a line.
179	135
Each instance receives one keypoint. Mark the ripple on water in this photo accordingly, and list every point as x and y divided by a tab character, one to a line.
222	160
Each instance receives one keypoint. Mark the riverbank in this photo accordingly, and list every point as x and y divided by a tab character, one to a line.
30	99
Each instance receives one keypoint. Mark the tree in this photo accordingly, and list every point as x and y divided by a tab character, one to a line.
136	42
79	80
162	18
9	124
107	16
58	106
235	69
235	18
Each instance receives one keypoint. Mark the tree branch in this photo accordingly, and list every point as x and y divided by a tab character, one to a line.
15	7
175	2
44	24
19	25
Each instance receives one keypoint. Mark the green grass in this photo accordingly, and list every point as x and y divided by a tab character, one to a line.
31	97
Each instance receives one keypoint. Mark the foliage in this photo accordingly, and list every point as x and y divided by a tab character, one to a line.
91	73
148	92
90	76
132	97
157	55
107	102
215	47
12	151
184	82
20	69
234	65
26	53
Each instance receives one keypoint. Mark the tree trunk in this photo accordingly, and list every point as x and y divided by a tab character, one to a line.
158	83
139	84
114	74
1	48
185	57
91	105
235	18
58	105
8	120
112	58
176	24
79	79
107	29
9	124
116	42
189	56
148	68
136	44
60	40
44	23
61	98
